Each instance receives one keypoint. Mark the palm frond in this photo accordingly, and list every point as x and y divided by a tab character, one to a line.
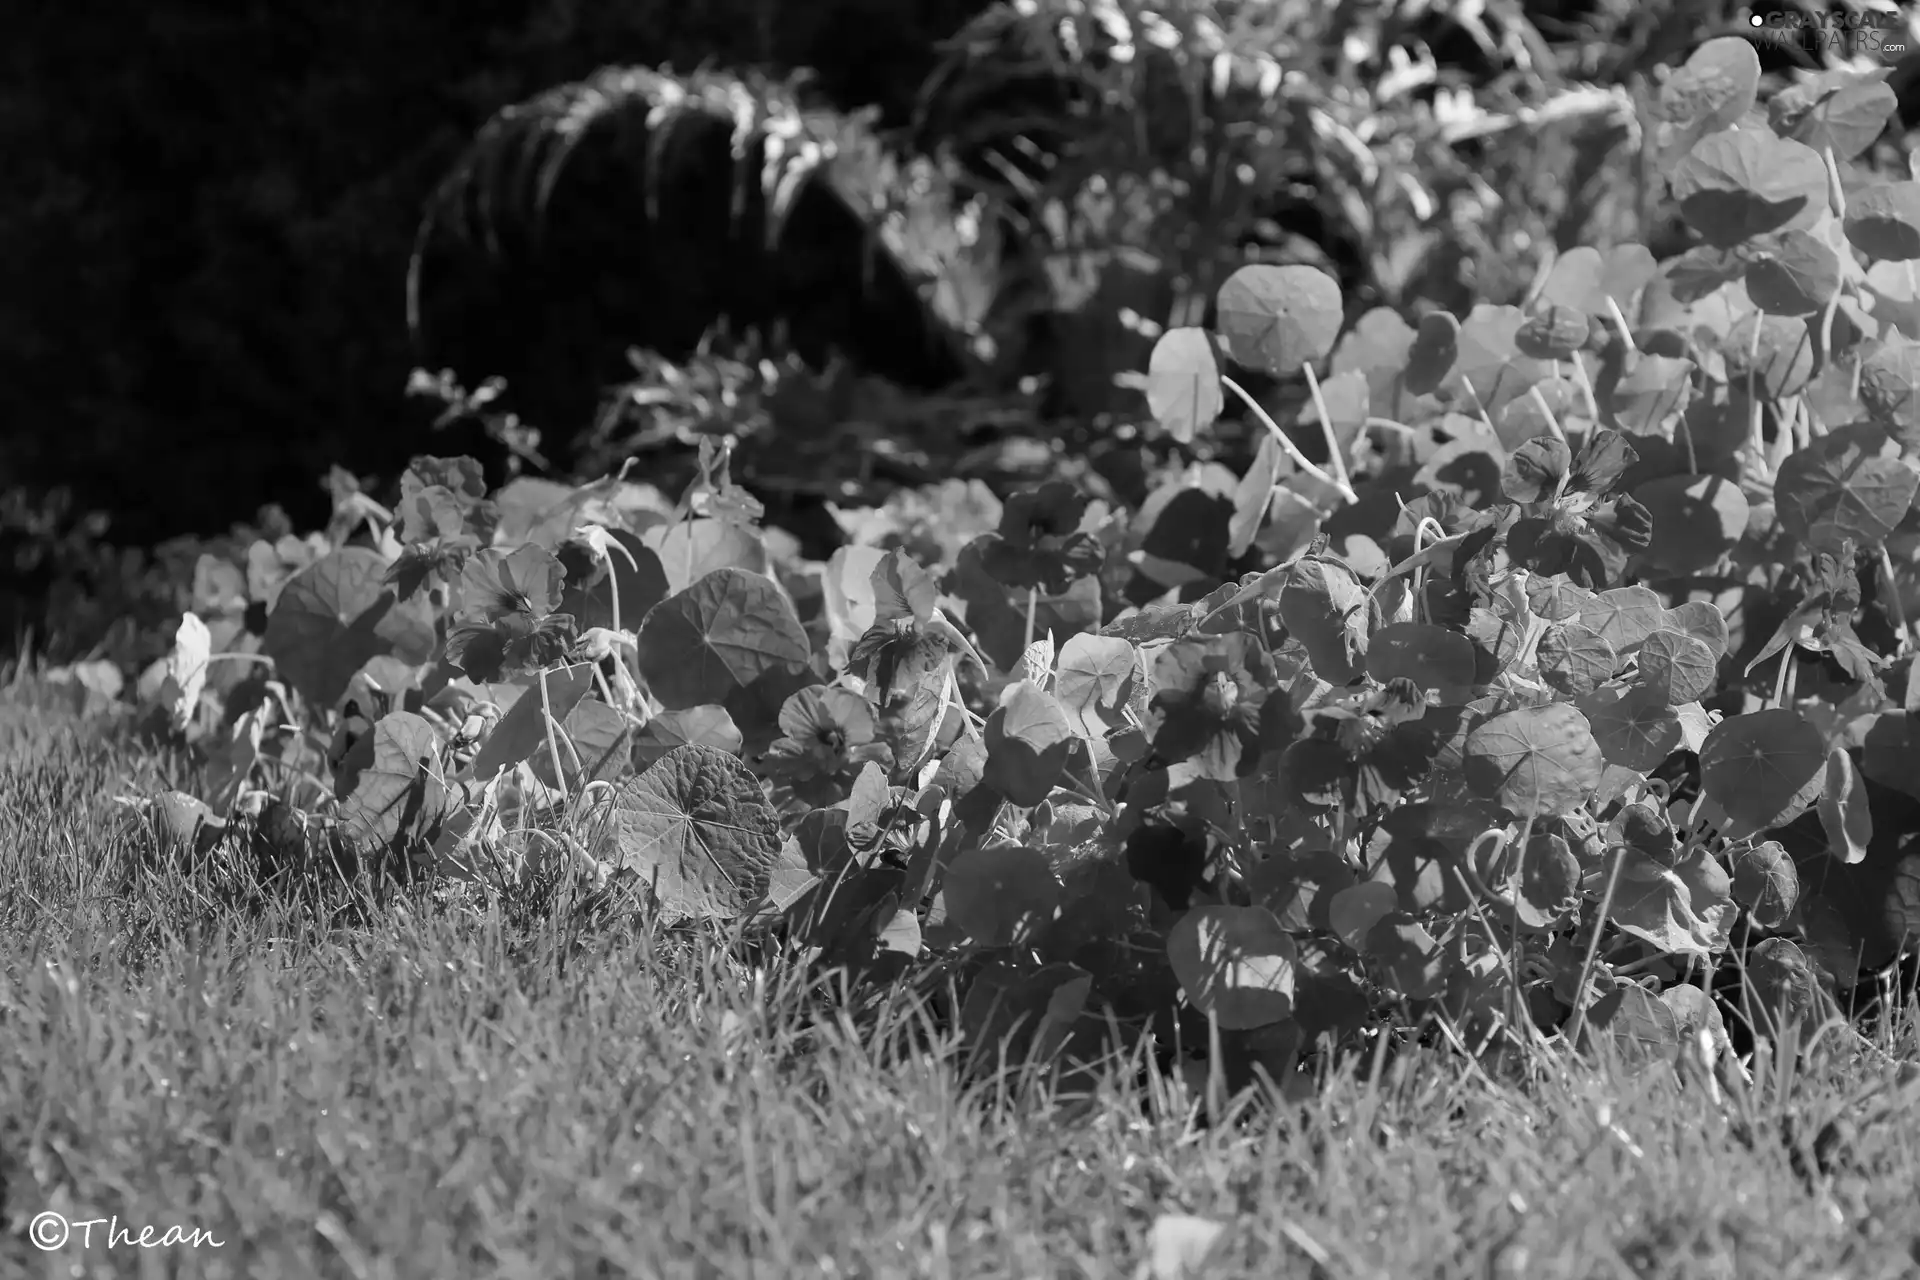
497	196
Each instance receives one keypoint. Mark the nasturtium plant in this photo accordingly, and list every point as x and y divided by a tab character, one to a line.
1586	646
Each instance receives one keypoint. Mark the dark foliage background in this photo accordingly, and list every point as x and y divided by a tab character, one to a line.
210	205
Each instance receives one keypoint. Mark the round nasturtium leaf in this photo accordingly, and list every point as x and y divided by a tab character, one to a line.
1702	620
1766	883
1677	667
1840	110
1883	222
1324	606
1890	387
1001	894
1298	887
1183	383
1635	727
1549	882
1413	963
1095	677
1357	908
1640	1028
335	614
1432	657
708	726
1235	964
1027	738
1741	183
723	632
1536	761
1776	351
1588	280
1764	768
1651	393
1841	487
1625	616
1696	520
1278	318
1794	273
1575	660
697	829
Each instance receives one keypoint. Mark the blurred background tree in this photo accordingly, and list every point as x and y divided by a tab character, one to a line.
213	204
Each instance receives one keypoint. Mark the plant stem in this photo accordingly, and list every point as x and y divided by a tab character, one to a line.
1593	947
1286	443
1334	451
553	748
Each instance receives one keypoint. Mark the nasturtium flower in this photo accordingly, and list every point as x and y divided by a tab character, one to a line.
1574	523
1039	543
1363	749
826	731
1207	704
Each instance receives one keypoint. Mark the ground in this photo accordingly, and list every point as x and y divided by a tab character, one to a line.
479	1092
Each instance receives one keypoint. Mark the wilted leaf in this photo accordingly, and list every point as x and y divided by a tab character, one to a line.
401	794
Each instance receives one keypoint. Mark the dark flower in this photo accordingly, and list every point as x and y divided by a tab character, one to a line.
1208	705
1574	523
1039	544
1364	750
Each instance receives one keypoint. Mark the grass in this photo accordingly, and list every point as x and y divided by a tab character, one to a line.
469	1090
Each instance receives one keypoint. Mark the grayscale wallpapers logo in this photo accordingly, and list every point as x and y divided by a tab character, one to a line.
1848	35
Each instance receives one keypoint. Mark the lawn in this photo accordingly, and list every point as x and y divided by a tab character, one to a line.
451	1088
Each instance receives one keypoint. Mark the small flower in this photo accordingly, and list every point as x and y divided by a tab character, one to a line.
1208	705
1039	543
827	731
1364	750
1574	523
